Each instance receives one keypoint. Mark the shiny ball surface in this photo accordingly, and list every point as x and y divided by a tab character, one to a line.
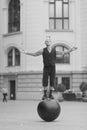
48	110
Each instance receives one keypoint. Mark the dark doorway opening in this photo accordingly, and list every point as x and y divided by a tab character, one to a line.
66	82
12	89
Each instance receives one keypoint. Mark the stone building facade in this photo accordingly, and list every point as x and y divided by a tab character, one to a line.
26	25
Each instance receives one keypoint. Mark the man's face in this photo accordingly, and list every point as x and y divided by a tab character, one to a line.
47	43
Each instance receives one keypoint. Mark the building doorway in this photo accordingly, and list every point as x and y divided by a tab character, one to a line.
12	89
63	80
66	82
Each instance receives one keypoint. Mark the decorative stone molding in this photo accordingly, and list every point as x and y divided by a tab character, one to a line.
49	0
57	30
46	0
11	45
13	33
72	1
61	43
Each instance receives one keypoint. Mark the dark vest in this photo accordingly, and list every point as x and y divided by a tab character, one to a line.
49	58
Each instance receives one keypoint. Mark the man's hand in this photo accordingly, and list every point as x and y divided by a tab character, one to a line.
73	48
23	51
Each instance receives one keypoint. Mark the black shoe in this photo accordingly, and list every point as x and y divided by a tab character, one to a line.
51	97
44	97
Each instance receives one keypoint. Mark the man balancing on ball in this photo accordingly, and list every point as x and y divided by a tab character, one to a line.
49	59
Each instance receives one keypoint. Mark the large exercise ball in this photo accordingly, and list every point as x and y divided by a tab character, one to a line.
48	110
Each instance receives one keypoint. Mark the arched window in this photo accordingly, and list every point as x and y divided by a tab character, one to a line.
13	57
62	59
14	16
10	58
17	57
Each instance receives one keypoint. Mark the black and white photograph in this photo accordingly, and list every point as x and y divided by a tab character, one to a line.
43	64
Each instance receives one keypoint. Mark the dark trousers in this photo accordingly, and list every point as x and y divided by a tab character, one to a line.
48	73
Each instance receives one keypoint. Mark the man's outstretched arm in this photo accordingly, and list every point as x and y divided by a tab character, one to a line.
38	53
72	49
66	52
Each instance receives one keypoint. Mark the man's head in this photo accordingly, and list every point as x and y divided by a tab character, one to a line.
48	42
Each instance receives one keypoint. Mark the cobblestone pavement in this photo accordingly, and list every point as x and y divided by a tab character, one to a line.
22	115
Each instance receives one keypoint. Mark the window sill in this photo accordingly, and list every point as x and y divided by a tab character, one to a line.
55	30
67	64
12	66
11	34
